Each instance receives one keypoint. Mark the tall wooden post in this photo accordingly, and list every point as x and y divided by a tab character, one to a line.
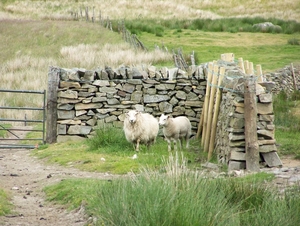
216	113
241	64
206	100
213	89
252	147
294	79
259	73
53	82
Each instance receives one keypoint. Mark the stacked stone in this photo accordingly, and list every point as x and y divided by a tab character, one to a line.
89	99
230	137
284	80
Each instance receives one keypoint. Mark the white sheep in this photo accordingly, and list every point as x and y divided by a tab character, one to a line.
176	129
140	128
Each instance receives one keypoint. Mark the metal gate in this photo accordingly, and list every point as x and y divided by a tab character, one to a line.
15	141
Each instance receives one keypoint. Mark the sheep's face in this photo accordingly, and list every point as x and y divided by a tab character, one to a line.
163	120
131	115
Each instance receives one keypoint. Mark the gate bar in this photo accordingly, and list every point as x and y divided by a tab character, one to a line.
21	91
19	120
21	108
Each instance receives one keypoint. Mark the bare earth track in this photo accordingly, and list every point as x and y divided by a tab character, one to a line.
25	176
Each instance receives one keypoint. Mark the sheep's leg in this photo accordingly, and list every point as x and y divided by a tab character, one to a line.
187	143
187	140
169	144
137	145
175	144
180	141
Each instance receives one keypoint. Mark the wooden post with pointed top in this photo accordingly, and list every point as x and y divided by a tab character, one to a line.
215	76
294	79
259	73
206	100
241	64
216	113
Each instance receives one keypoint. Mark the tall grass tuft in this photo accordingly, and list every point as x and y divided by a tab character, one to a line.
5	205
293	41
287	123
283	106
109	139
179	196
176	197
183	197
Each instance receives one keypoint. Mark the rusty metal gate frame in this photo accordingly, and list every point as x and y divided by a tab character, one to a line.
10	130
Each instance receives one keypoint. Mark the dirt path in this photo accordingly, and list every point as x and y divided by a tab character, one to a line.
24	177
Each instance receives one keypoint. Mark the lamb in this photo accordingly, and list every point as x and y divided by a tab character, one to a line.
176	129
140	128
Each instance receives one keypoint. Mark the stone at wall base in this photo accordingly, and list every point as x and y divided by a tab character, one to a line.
61	139
236	165
272	159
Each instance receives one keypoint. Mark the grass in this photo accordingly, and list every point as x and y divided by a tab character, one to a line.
3	132
287	123
232	25
272	51
178	196
31	45
165	10
5	205
108	151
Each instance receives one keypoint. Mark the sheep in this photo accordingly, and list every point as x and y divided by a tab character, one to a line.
176	129
140	128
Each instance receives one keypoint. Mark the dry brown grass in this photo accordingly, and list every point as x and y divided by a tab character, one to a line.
24	65
30	47
92	56
167	9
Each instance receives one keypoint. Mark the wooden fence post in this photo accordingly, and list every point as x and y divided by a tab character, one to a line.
241	64
294	79
259	73
53	82
216	113
251	69
250	114
214	81
205	107
246	66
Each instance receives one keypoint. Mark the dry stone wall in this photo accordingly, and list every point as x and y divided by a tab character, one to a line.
286	79
230	138
88	99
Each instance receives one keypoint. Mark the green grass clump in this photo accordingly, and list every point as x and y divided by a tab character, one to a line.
178	196
293	41
5	205
110	139
72	192
213	25
283	106
3	131
287	123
